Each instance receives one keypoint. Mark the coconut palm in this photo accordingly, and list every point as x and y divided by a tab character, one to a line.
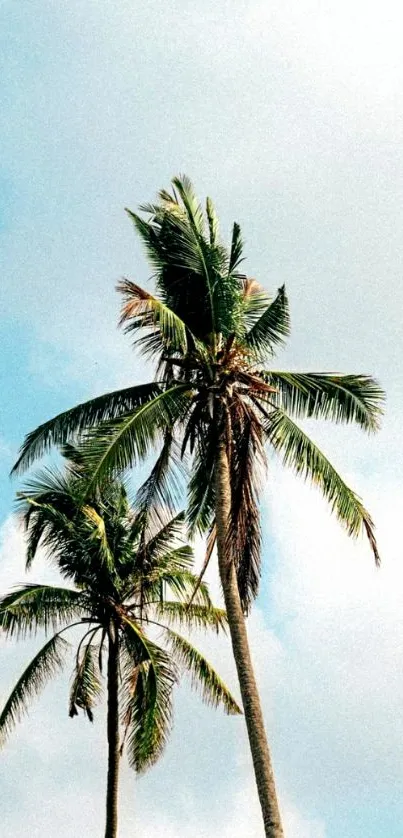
213	333
129	586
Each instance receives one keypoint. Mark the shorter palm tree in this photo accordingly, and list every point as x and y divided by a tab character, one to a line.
131	581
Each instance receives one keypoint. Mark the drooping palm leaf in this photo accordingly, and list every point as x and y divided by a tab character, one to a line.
203	677
148	705
246	463
42	668
86	686
160	492
300	453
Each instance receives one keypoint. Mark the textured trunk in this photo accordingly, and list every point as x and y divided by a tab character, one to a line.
240	646
111	829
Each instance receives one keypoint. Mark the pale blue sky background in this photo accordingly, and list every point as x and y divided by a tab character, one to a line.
290	116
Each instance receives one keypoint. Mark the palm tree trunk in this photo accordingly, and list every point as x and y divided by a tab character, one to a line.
111	829
240	646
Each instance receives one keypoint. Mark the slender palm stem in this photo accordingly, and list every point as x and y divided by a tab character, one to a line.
250	697
113	735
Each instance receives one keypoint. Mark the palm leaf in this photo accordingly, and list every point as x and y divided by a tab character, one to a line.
86	685
271	327
160	492
235	258
303	456
213	222
203	677
70	423
148	702
42	668
97	530
143	310
181	584
34	607
247	465
201	488
339	398
192	616
116	445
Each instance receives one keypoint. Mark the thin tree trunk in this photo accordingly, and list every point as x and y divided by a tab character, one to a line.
111	829
250	697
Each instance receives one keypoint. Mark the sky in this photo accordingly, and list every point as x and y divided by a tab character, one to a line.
290	115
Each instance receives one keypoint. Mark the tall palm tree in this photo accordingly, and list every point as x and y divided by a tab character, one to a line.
214	333
129	596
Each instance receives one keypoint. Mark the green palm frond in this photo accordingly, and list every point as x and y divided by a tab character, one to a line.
97	531
114	446
148	681
34	607
303	456
71	423
339	398
143	310
235	257
166	541
86	686
180	583
213	223
42	668
192	616
272	327
160	492
179	559
201	487
203	677
46	525
194	212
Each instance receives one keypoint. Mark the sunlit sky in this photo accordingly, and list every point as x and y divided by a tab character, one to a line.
290	116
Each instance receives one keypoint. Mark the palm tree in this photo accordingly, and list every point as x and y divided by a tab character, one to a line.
214	333
128	582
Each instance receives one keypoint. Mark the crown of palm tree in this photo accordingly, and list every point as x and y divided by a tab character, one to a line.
134	577
214	333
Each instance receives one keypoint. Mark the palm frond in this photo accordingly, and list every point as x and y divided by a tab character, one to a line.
167	539
184	188
180	583
213	222
303	456
143	310
86	686
201	488
148	678
192	616
34	607
247	463
71	423
203	677
116	445
98	533
339	398
211	542
160	492
273	325
42	668
235	257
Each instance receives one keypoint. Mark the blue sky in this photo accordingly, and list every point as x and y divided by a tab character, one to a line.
290	116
